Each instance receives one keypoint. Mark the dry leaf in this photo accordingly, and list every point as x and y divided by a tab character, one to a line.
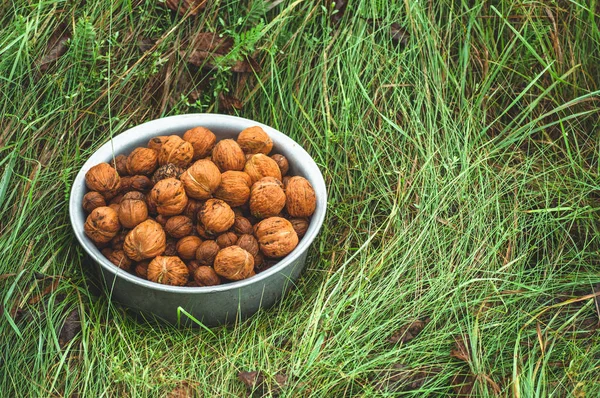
70	328
145	44
56	48
229	103
403	378
408	332
213	42
185	6
183	390
461	349
463	385
258	386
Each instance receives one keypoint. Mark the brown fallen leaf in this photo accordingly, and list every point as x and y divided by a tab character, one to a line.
461	349
185	6
70	328
47	290
56	48
213	42
463	384
229	103
408	332
258	386
183	390
403	378
145	44
247	65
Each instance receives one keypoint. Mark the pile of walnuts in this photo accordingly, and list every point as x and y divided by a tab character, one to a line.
192	211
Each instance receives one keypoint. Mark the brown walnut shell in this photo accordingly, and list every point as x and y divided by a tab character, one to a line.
169	170
142	161
234	188
282	162
203	141
203	232
141	269
115	207
207	251
276	237
102	224
201	179
228	155
116	200
300	226
234	263
168	270
157	142
179	226
171	247
118	258
177	151
216	216
193	207
119	163
187	246
227	239
267	198
241	225
117	242
248	243
301	198
285	181
260	166
169	197
146	240
135	183
91	200
206	276
192	266
133	209
103	179
255	140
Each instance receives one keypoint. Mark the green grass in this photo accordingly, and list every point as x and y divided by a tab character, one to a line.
463	179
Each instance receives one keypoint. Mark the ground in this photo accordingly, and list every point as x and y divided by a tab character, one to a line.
459	141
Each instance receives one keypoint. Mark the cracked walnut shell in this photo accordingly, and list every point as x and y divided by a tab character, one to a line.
234	263
169	197
260	166
168	270
168	170
102	224
234	188
301	198
276	237
177	151
146	240
267	198
216	216
203	141
201	179
255	140
228	155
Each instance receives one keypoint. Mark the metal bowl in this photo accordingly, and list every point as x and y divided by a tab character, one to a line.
213	305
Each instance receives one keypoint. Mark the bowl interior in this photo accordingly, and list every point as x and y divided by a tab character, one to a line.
224	126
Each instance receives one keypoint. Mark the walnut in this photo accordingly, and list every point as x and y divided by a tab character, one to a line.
204	233
157	142
171	247
116	200
168	270
267	198
135	183
241	225
146	240
300	226
177	151
102	224
179	226
216	216
118	258
203	141
285	181
207	251
276	237
206	276
192	266
282	162
119	163
142	161
91	200
103	179
115	207
201	179
301	198
116	243
260	166
162	220
227	239
228	155
248	243
259	261
234	263
169	170
187	246
192	209
255	140
234	188
169	197
133	209
141	269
